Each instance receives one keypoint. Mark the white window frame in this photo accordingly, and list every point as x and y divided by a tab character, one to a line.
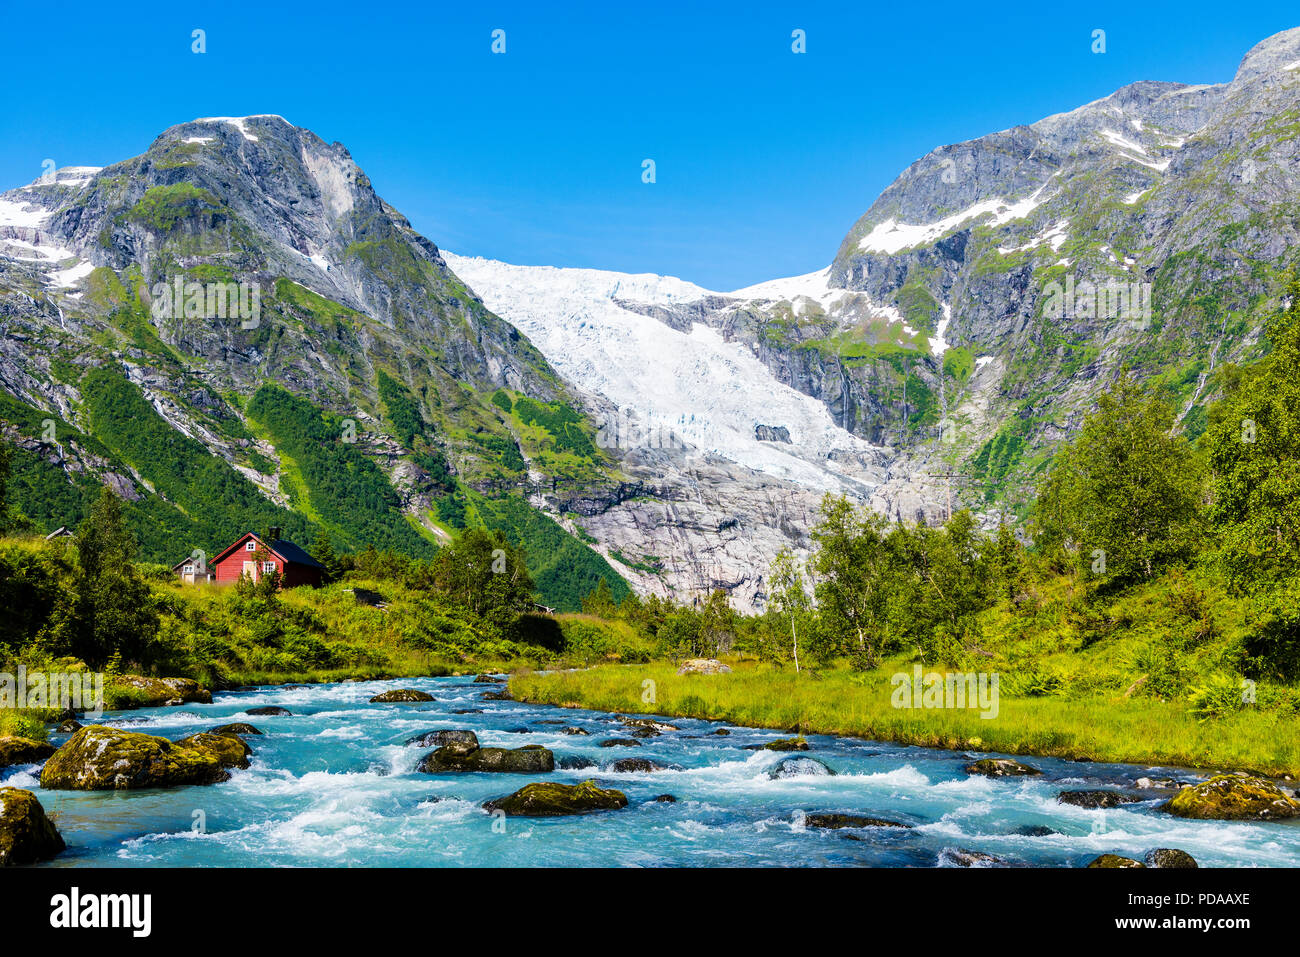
268	568
251	546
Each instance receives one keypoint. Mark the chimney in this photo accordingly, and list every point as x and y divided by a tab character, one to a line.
273	533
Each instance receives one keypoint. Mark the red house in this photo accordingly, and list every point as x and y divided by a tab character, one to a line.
255	556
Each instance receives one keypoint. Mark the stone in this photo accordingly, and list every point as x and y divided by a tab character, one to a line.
1001	768
26	834
402	696
1233	797
546	799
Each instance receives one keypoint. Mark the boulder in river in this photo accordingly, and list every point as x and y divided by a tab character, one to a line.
1034	830
1114	860
961	857
26	834
502	695
436	739
99	758
69	726
782	744
156	692
1169	857
1096	799
15	750
703	666
238	727
402	696
664	799
269	711
572	762
489	680
545	799
798	767
230	749
532	759
659	727
836	821
635	765
1233	797
1001	768
620	743
721	732
574	729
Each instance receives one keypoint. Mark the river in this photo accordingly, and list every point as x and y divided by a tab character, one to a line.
334	785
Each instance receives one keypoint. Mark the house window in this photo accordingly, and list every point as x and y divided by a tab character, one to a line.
189	569
251	547
268	567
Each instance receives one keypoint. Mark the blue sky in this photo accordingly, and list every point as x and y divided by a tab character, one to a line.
764	158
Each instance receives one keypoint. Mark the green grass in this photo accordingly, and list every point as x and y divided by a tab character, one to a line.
1098	728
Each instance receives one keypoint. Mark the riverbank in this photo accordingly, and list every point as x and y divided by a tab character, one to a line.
840	702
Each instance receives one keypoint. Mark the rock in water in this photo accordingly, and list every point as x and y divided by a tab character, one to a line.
70	726
634	765
620	743
960	857
269	711
782	744
544	799
436	739
503	695
574	729
1001	768
532	759
237	728
649	724
1096	799
401	696
1169	857
488	679
26	834
99	758
14	750
836	821
798	767
1114	860
1233	797
703	666
156	692
230	749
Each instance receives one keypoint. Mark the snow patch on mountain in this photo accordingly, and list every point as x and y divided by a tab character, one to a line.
893	236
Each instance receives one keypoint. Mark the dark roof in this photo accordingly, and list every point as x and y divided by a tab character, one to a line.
292	553
282	547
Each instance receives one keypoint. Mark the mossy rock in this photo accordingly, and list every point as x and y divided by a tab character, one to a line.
1233	797
1001	768
1096	799
1169	857
156	692
502	695
1114	860
836	821
533	759
488	680
269	711
15	750
238	727
782	744
545	799
26	834
402	696
70	726
230	749
99	758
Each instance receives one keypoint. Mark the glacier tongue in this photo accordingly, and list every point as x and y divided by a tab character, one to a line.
706	392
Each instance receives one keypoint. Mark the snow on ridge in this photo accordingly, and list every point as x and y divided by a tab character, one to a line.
239	122
892	236
709	392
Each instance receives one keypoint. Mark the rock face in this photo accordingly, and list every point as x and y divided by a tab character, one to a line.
1095	799
26	834
401	696
14	750
836	821
467	756
156	692
1233	797
549	800
703	666
1169	857
98	758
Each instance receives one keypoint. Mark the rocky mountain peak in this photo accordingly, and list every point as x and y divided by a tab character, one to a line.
1279	52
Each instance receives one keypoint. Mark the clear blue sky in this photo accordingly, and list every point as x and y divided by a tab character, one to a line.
764	157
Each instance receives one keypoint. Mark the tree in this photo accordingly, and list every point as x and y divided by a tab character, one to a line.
1253	443
114	610
600	601
322	549
789	597
852	564
1122	497
485	575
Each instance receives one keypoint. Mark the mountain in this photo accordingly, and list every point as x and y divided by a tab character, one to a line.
635	428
